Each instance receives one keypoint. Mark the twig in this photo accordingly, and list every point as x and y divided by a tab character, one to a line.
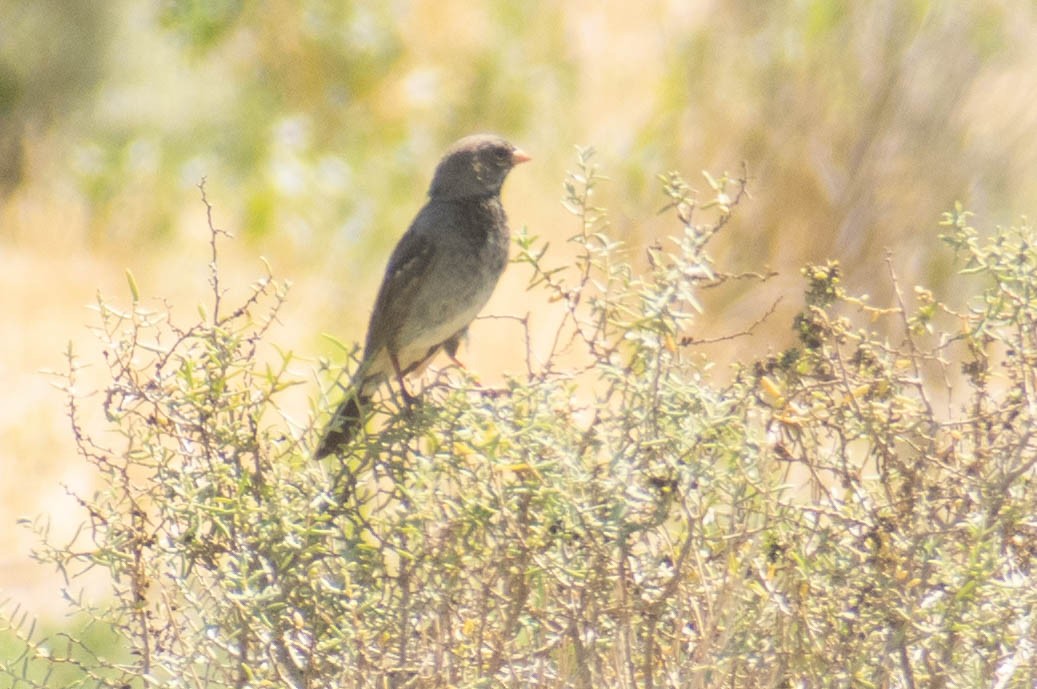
214	274
688	341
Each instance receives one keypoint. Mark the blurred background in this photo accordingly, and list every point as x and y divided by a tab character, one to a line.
317	123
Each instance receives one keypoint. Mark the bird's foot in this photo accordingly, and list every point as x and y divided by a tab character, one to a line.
409	400
456	362
492	393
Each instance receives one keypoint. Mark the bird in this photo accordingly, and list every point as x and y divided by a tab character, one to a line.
438	278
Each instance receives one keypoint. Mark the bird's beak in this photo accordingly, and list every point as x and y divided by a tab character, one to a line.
520	156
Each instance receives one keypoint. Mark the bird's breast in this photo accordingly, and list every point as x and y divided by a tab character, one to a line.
469	259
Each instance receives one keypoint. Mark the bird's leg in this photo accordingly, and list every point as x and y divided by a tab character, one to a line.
451	346
407	397
457	362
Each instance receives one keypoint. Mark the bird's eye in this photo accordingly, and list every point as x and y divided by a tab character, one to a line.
502	155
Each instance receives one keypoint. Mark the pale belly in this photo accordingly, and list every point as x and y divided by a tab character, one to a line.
442	318
449	317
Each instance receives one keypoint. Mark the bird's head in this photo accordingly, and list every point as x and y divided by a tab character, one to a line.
475	166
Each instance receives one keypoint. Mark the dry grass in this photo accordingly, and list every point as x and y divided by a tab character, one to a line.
628	65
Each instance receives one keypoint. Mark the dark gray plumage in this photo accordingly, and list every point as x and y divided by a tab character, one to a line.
440	275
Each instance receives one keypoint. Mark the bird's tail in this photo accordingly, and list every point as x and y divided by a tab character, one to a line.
347	420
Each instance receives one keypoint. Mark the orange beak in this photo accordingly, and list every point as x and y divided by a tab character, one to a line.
520	156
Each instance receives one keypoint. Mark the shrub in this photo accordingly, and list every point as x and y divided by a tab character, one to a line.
856	511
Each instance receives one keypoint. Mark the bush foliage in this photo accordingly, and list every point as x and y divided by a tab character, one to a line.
856	511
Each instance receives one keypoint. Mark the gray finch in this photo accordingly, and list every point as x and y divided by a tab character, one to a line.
440	275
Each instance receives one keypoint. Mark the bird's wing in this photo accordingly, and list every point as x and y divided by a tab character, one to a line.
408	265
